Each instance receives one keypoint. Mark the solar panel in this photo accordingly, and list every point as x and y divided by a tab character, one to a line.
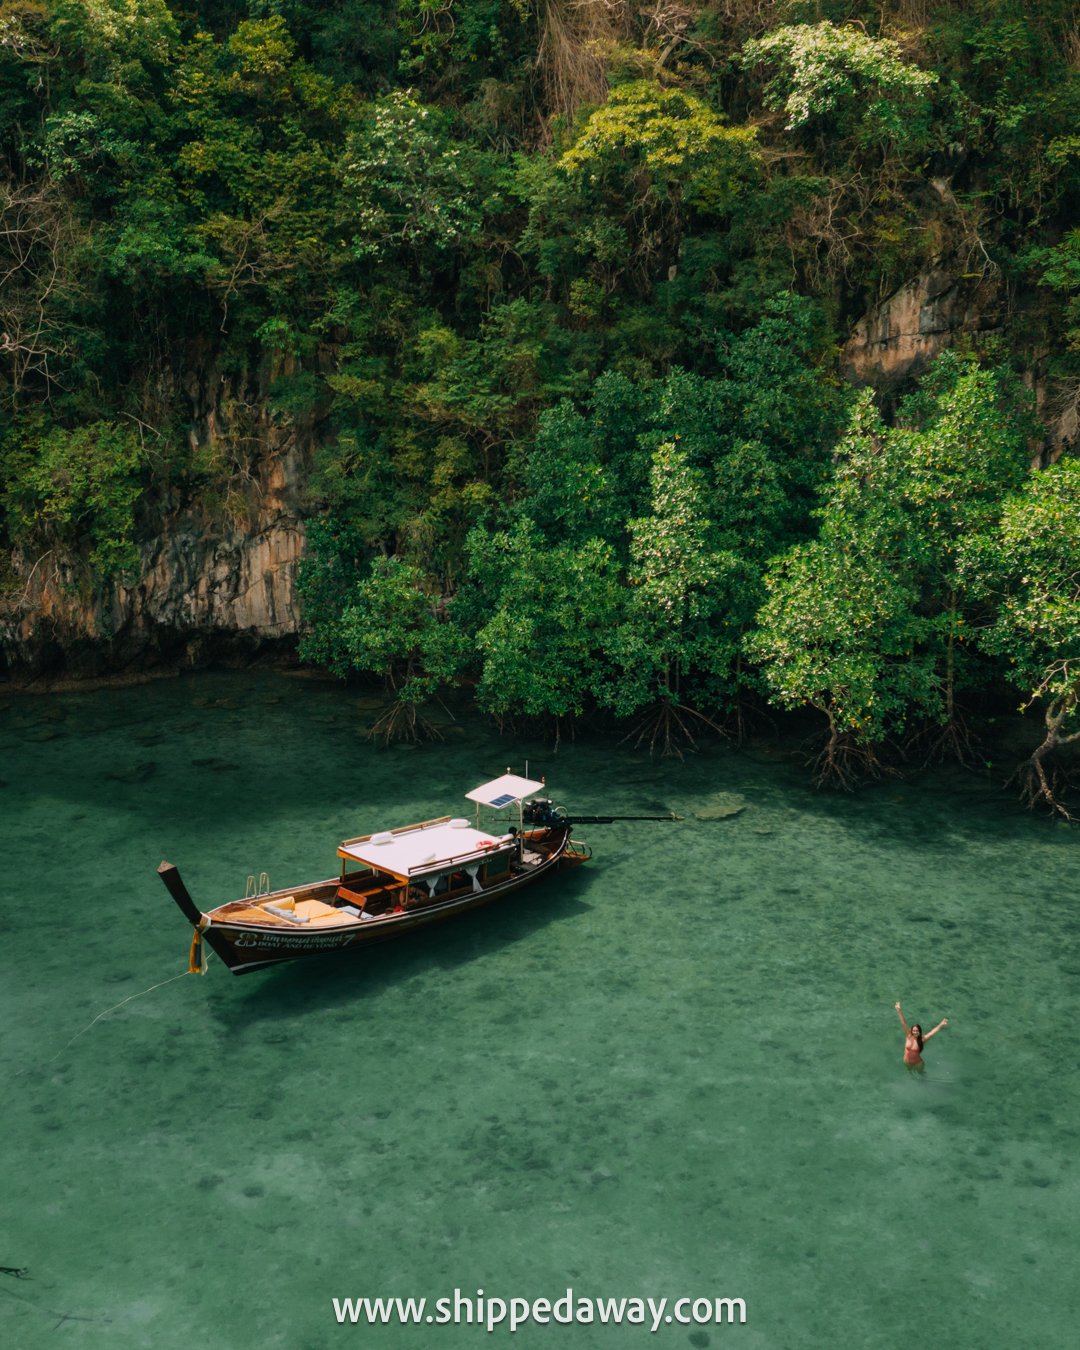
504	800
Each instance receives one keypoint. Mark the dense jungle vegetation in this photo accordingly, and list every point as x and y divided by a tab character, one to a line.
558	287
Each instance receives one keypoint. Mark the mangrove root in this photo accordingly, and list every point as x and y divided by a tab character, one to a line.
845	761
667	725
403	721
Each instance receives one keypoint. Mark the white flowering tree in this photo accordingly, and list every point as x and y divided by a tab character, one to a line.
838	78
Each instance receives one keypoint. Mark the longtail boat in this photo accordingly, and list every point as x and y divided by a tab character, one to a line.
395	881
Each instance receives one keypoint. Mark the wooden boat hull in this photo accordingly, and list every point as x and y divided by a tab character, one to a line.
245	946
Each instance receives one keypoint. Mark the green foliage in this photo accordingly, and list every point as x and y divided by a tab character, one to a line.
679	142
381	619
841	78
678	491
586	473
336	561
1060	269
388	624
1028	571
1017	82
870	623
680	580
67	489
1027	568
839	631
608	218
114	38
555	310
76	143
407	185
542	616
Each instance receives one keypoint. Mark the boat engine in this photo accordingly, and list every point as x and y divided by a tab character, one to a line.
542	811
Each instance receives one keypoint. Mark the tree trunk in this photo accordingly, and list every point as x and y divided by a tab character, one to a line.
1041	782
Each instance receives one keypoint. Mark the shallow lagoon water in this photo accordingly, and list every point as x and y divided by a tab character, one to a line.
675	1072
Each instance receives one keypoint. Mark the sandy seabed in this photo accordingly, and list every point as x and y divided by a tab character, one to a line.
675	1072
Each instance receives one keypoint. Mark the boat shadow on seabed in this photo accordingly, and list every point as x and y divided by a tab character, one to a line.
297	987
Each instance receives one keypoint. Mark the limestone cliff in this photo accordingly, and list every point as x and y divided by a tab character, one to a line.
895	341
215	580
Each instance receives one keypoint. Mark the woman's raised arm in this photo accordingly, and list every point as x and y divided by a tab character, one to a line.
943	1023
901	1017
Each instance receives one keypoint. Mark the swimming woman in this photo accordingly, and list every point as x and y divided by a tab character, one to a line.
915	1040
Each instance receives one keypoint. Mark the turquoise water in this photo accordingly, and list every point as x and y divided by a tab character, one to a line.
675	1072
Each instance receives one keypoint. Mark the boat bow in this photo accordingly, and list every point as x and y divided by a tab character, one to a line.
174	884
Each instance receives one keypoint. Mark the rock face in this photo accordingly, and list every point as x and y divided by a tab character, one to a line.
897	339
893	343
211	584
216	583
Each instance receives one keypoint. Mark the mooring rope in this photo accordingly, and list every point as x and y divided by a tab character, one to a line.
22	1272
142	993
61	1317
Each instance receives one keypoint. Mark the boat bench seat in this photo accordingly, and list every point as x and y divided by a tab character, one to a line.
353	897
305	911
316	909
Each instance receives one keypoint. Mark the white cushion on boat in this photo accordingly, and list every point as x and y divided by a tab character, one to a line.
286	908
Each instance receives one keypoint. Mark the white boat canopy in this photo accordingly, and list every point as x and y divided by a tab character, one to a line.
421	850
504	791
